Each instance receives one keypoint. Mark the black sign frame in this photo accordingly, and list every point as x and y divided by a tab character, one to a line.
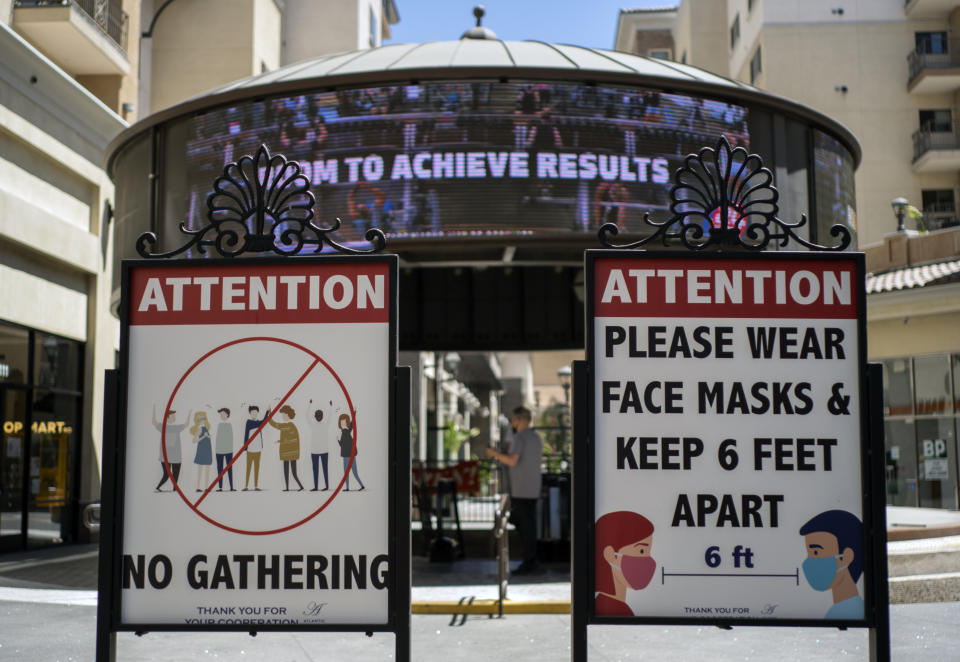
876	596
109	619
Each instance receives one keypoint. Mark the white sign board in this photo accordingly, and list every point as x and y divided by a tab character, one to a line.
256	453
727	434
935	463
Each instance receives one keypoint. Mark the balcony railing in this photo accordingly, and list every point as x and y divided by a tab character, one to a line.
105	14
920	60
940	216
926	139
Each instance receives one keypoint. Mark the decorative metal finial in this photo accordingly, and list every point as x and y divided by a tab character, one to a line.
260	204
724	198
478	31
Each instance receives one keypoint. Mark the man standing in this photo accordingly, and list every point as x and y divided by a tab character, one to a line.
319	446
255	447
173	447
523	459
224	447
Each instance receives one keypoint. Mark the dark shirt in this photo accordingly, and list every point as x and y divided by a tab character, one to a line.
252	424
346	442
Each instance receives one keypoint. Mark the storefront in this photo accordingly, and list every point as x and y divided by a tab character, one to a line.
913	309
921	395
40	408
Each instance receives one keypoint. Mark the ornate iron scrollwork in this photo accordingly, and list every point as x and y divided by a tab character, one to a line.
723	197
261	204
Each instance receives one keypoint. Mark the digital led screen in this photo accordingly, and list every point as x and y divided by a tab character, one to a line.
834	185
461	159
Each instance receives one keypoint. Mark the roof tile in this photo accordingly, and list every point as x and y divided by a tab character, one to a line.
914	277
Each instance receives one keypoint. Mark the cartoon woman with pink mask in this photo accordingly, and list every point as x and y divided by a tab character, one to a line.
623	540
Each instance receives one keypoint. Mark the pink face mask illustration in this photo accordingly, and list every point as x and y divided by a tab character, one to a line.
637	570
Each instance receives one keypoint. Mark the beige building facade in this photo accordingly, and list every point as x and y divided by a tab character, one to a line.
67	78
181	58
889	71
73	75
852	63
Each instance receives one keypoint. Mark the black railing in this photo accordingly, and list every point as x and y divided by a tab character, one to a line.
107	15
926	139
480	505
939	220
477	505
919	59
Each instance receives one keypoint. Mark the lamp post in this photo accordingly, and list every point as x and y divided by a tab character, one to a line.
899	205
563	373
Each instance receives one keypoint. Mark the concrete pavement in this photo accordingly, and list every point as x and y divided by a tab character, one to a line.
34	631
48	612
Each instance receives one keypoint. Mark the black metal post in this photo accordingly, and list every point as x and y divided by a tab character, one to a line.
106	634
502	535
879	646
582	507
401	594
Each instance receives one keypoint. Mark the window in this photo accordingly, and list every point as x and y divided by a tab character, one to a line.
939	209
750	4
834	187
373	28
56	362
735	31
14	355
659	53
900	439
40	405
931	43
955	359
683	58
756	67
935	120
938	201
897	387
932	384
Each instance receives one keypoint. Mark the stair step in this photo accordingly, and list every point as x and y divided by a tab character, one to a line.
941	587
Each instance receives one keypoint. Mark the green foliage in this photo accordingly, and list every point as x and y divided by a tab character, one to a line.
454	436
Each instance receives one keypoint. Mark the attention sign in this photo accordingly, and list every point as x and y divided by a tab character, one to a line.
256	454
727	436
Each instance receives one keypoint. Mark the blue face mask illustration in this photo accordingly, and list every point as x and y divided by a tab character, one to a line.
820	571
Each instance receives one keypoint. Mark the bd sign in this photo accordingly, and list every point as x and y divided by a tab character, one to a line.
727	437
256	457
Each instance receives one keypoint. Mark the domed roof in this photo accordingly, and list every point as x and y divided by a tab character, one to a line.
488	58
502	58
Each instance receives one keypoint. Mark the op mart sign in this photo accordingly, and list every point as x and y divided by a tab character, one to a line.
257	487
727	437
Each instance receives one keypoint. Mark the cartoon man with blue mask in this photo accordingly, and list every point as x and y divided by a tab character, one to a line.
834	544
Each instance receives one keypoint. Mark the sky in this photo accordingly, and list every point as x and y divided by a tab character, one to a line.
590	23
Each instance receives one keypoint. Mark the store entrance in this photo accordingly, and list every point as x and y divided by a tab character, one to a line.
13	405
40	403
35	459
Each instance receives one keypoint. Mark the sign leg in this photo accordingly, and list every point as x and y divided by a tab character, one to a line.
879	646
401	534
582	506
106	636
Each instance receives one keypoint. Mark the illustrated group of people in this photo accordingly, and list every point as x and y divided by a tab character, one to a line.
219	444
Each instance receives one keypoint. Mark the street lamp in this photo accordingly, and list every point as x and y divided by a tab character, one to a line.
563	373
899	205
